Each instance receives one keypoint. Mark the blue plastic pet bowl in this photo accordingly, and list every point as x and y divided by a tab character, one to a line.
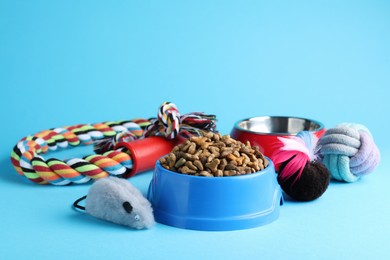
215	203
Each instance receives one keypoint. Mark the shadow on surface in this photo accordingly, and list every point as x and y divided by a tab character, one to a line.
83	218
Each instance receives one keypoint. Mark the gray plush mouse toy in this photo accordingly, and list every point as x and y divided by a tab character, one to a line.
117	201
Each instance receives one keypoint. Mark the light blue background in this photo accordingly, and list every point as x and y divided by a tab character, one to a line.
69	62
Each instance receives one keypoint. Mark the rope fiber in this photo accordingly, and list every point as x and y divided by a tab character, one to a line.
27	160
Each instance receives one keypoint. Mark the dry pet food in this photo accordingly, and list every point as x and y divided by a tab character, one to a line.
214	155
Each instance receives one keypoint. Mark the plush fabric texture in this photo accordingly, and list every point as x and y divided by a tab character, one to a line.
311	184
297	150
299	174
116	200
348	151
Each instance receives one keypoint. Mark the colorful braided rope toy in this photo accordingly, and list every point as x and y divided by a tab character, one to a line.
120	145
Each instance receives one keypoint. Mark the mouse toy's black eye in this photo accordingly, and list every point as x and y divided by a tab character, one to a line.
127	206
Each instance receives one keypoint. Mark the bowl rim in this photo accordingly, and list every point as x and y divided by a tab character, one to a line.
238	127
243	216
269	167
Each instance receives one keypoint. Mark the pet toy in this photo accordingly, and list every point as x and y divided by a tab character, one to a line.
125	147
348	151
116	200
305	164
300	174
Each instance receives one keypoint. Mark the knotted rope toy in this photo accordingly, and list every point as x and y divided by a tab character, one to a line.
300	175
305	165
348	151
27	160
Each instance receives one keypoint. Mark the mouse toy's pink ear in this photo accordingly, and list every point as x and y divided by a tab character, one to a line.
116	200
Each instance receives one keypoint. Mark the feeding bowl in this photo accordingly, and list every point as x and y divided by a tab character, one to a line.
263	131
215	203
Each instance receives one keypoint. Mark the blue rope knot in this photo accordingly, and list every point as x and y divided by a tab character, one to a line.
348	151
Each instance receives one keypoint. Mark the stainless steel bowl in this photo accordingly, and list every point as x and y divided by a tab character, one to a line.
264	131
279	125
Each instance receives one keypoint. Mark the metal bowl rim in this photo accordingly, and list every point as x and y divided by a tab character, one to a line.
238	127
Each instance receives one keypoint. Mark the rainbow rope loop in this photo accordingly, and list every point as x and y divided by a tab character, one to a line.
27	160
